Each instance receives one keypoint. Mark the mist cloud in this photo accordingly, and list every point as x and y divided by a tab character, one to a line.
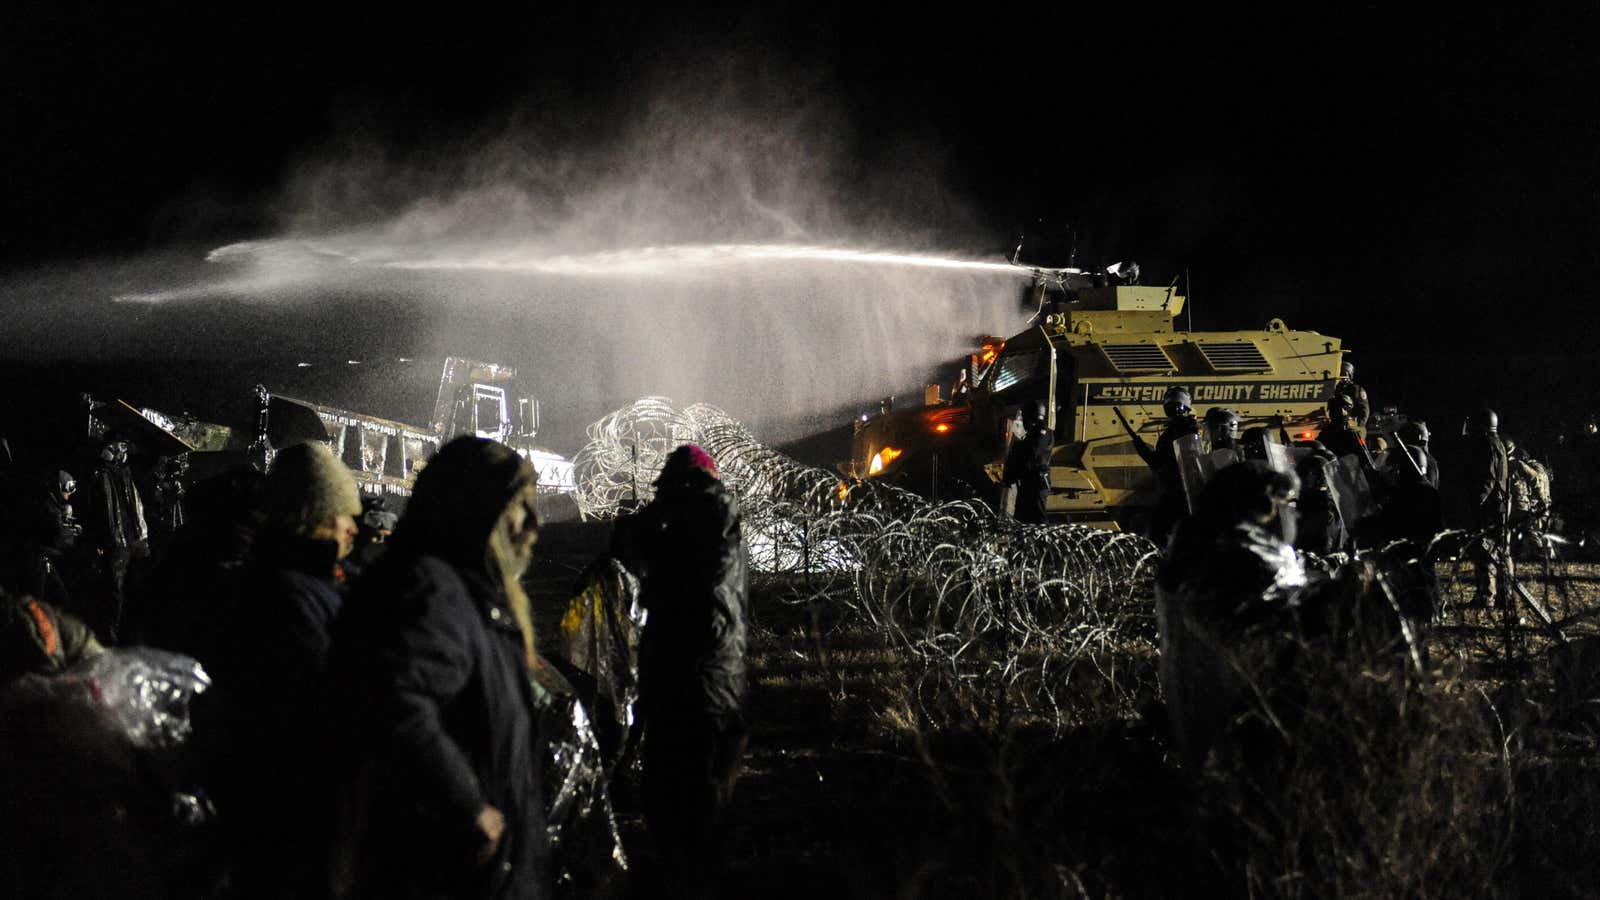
608	250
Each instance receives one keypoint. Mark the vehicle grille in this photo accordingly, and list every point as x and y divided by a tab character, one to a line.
1235	356
1131	358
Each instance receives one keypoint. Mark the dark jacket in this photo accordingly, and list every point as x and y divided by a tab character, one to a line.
1412	512
1341	441
271	704
113	517
1360	406
436	722
1028	467
694	588
1323	529
1164	459
1483	479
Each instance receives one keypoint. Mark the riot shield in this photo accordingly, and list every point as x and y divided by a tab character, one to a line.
1192	465
1355	491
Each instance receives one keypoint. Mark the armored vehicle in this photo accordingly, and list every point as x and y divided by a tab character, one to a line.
1097	351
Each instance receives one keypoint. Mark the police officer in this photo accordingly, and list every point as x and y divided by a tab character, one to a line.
1163	460
1484	492
1340	435
1222	428
1028	464
1355	394
1415	434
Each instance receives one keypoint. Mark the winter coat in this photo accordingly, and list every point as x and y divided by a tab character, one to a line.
1212	589
695	593
435	722
37	638
271	704
113	518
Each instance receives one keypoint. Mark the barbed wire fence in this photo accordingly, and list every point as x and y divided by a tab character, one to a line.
975	602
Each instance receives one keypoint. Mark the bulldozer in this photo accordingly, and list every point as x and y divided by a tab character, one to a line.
1101	354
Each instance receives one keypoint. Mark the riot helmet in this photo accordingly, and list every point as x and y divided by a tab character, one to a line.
1177	402
1417	469
1253	442
1339	408
1347	370
1222	427
1415	433
66	485
1484	421
1033	413
1420	457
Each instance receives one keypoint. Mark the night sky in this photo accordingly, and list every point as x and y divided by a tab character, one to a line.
1422	187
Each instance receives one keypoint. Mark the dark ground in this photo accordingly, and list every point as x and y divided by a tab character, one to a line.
849	791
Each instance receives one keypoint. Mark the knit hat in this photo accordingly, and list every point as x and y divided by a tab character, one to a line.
684	460
308	484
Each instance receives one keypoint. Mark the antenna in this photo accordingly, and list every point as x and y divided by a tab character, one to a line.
1188	301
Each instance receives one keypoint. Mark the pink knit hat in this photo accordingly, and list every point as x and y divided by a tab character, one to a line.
684	459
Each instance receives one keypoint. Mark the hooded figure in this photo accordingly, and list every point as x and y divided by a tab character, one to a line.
687	543
1229	569
439	757
47	531
273	785
1028	464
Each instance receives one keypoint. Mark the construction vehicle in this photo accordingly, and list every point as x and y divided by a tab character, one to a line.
385	456
1097	350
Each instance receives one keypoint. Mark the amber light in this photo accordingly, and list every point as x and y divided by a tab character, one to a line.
882	458
941	427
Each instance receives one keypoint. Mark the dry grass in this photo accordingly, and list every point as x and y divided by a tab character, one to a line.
959	783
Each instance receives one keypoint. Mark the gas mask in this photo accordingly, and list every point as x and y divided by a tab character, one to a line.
1177	403
115	453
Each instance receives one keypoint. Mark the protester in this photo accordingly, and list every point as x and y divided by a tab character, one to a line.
1230	567
377	522
692	665
115	528
272	780
38	638
191	597
45	531
438	755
